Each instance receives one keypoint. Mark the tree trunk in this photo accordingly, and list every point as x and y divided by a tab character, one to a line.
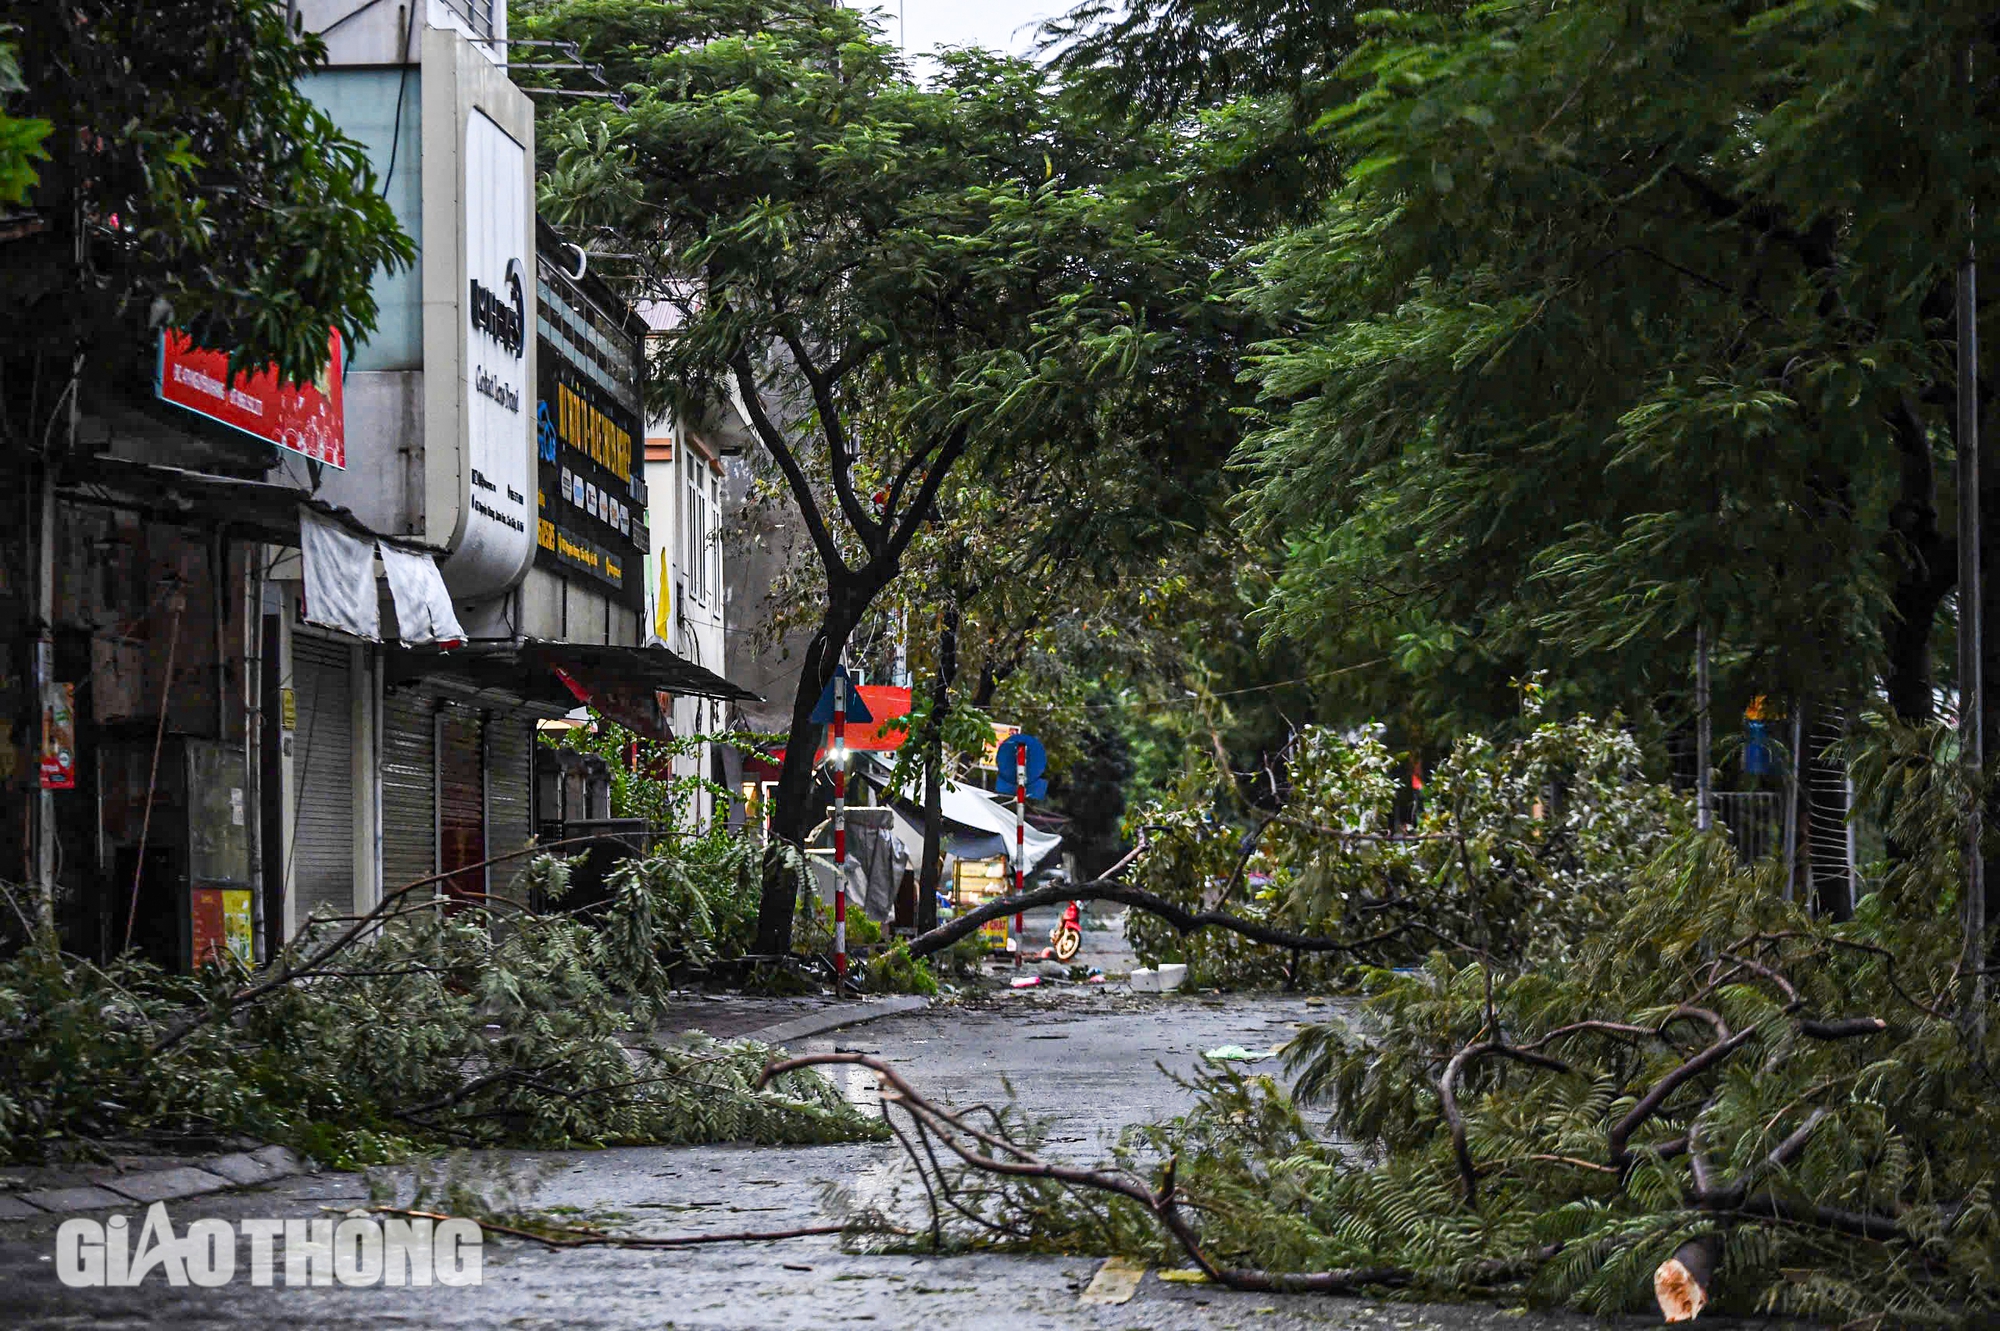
798	775
932	872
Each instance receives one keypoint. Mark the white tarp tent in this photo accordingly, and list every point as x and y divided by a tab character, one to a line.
970	814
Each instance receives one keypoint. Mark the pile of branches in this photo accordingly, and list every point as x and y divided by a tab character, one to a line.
1679	1091
1520	847
423	1022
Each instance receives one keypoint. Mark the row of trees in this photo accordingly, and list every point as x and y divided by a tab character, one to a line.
974	344
1543	336
1571	331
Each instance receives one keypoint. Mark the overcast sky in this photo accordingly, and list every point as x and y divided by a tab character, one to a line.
1004	25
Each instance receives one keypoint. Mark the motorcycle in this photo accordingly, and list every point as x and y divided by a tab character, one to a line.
1066	939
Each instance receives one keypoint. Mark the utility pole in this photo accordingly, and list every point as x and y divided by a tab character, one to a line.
1020	847
837	750
44	683
1971	693
1704	784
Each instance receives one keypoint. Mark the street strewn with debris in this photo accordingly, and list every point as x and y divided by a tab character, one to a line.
1130	664
1087	1060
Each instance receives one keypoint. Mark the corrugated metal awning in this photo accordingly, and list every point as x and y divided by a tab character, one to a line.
253	509
622	682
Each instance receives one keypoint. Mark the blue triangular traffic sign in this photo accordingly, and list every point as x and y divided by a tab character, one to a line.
857	710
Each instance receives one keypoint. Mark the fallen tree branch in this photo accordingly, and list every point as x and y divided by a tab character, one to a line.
1448	1099
391	905
1008	1158
1183	920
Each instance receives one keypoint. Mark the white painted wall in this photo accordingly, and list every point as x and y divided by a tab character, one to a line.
685	569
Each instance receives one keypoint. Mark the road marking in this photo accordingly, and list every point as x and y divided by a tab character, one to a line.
1115	1282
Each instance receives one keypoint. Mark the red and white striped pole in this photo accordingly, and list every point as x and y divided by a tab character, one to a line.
1020	844
839	833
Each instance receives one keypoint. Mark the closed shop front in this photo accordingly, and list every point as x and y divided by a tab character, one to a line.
322	852
409	788
461	798
510	825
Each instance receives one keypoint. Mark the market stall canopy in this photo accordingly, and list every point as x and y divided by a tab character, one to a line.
974	840
976	810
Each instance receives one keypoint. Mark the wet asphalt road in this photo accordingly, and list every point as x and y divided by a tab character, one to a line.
1083	1059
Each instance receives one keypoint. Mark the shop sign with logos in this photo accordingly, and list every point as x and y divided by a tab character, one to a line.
499	244
591	499
307	418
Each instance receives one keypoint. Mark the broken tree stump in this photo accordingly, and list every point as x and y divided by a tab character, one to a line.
1681	1282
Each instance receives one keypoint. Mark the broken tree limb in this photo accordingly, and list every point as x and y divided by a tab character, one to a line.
1681	1282
1649	1104
1448	1100
279	976
994	1153
1183	920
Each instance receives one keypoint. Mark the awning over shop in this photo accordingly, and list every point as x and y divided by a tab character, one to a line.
339	549
253	509
625	683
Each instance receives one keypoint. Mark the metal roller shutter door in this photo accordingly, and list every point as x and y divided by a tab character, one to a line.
510	821
409	789
322	851
461	799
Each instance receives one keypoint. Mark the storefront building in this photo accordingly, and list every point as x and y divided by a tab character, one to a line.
302	634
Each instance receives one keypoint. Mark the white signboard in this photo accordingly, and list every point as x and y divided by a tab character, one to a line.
497	323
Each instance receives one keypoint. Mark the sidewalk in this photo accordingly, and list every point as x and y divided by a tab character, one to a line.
28	1192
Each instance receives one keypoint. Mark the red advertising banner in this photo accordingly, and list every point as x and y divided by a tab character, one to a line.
305	418
58	756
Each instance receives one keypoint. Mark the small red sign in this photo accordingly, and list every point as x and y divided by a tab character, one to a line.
58	756
208	926
305	418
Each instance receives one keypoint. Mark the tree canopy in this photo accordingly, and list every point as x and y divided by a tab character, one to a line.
186	179
893	281
1609	322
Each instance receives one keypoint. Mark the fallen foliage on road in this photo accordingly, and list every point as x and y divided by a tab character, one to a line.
1626	1073
473	1020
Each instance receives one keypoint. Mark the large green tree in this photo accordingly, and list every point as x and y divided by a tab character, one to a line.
184	177
893	281
1602	322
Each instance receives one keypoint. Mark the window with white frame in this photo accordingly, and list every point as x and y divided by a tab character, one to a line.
696	563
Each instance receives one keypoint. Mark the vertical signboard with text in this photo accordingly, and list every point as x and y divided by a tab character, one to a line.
591	497
496	324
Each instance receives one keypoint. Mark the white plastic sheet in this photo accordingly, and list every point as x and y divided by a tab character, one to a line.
423	607
339	577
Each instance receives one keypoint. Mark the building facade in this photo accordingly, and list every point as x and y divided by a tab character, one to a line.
301	635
